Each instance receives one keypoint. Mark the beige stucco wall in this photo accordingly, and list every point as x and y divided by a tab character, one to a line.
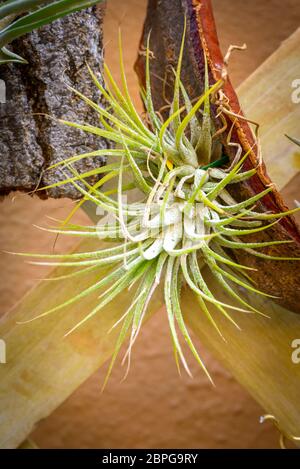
154	407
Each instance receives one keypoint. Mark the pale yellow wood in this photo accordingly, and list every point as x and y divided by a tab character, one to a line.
43	368
259	355
271	97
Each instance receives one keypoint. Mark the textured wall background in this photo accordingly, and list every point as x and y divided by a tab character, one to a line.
154	407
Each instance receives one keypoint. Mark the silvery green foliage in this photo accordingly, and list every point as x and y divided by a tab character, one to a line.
185	217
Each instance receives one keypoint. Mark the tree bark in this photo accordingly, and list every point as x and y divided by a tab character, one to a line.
29	141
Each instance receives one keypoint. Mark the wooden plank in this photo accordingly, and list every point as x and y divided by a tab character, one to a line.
271	97
43	368
259	355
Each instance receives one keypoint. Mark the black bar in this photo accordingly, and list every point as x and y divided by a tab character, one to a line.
137	458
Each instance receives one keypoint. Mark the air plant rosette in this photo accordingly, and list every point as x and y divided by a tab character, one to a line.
184	218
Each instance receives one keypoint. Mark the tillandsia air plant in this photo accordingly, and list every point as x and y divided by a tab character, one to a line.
39	13
183	219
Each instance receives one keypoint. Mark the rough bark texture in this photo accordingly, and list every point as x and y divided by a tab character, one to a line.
29	142
165	20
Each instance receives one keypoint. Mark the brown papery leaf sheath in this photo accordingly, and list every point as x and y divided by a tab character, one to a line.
165	19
